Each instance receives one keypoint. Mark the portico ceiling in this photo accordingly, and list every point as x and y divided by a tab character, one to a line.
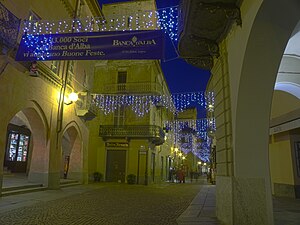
288	77
202	25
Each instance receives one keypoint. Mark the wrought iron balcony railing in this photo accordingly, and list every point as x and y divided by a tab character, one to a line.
155	133
9	27
132	88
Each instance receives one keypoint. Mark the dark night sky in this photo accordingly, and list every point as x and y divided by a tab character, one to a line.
180	76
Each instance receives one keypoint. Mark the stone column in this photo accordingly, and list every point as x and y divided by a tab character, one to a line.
55	153
2	155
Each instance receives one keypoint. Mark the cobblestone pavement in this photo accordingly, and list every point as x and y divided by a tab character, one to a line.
110	204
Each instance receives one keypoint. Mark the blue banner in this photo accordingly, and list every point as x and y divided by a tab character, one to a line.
9	27
146	44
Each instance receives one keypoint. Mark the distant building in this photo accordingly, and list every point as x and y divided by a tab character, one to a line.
121	142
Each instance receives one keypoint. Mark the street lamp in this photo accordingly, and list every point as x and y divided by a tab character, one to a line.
72	97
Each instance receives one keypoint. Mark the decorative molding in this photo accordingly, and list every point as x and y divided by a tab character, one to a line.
95	8
68	7
231	11
204	26
203	62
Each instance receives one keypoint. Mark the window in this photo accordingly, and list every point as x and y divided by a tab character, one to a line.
129	22
122	78
71	71
34	17
119	116
17	148
297	154
54	66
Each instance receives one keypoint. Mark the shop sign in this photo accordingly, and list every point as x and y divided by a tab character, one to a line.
116	144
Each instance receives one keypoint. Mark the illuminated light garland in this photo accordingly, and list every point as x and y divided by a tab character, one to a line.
187	140
186	134
141	104
164	19
199	125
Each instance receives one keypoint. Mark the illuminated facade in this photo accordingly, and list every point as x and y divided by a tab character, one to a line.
126	143
255	158
43	136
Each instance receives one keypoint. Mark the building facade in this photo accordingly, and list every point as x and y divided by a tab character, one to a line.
41	134
244	58
126	141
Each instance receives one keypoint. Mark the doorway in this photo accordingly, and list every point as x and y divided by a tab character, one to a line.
115	165
17	147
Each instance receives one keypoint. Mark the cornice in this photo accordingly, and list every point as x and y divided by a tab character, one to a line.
202	26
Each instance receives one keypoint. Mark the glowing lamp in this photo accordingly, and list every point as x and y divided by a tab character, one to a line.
73	97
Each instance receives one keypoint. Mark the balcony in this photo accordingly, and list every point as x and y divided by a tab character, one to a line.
203	24
152	132
86	108
132	88
9	29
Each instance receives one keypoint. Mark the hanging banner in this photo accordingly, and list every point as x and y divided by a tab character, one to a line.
92	46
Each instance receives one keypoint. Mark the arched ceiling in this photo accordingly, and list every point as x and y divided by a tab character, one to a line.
288	77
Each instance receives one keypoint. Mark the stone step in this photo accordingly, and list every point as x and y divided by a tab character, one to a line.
19	187
22	189
69	183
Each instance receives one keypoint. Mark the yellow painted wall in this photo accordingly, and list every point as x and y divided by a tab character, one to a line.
283	103
280	159
22	93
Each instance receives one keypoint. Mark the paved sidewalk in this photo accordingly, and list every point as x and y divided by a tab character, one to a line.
202	210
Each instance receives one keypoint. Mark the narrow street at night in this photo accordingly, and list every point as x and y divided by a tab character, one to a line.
103	203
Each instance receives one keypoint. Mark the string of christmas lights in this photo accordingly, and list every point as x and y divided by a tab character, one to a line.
141	104
163	19
198	125
192	136
189	143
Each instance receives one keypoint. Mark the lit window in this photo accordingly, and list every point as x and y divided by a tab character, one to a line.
34	17
54	66
71	71
122	79
119	116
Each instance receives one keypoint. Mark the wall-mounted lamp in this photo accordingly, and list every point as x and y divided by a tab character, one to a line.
73	97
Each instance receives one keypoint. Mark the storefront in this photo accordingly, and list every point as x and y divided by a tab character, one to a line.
17	147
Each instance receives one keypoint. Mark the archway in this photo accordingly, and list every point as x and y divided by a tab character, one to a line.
26	149
72	158
264	49
284	124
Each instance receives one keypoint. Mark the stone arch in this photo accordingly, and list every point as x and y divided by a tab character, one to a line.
33	118
72	152
266	43
291	88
